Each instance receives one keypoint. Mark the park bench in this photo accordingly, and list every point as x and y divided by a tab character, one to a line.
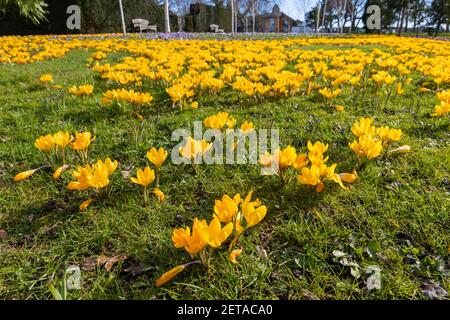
215	28
143	25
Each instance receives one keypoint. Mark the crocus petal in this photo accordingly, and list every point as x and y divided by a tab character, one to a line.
24	175
85	204
402	149
169	275
234	254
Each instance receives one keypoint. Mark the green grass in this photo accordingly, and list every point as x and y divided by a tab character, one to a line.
396	216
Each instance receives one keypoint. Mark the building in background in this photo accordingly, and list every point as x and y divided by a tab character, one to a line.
275	21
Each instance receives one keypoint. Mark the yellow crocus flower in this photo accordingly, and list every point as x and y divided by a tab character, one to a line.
100	177
216	234
82	141
196	242
144	177
363	126
247	126
300	162
225	209
252	213
367	147
82	175
45	143
157	157
179	237
62	139
46	78
310	176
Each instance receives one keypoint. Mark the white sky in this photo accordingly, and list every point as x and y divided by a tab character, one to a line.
294	8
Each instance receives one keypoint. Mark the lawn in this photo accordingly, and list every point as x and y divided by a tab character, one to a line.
385	236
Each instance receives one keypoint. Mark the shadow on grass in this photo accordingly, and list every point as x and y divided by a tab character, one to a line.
430	130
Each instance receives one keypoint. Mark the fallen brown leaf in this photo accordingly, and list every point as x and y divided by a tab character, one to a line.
3	234
90	264
110	262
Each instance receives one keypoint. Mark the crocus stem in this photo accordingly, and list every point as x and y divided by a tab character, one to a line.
281	174
187	264
157	177
42	167
195	167
388	96
145	195
386	151
203	258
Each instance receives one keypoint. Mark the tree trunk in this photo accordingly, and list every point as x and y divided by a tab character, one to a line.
232	16
407	17
353	24
324	12
122	18
438	27
254	22
317	19
400	27
180	20
345	17
415	22
166	16
236	20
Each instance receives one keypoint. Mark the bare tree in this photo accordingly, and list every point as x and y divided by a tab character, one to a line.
166	16
318	18
356	8
404	7
232	16
253	8
344	10
182	9
324	12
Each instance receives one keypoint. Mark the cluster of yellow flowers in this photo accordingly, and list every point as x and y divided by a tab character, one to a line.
194	148
122	73
83	90
314	175
223	119
329	94
136	98
318	171
46	78
444	107
146	176
98	55
95	177
53	145
270	68
219	121
259	61
383	77
80	141
372	140
237	215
